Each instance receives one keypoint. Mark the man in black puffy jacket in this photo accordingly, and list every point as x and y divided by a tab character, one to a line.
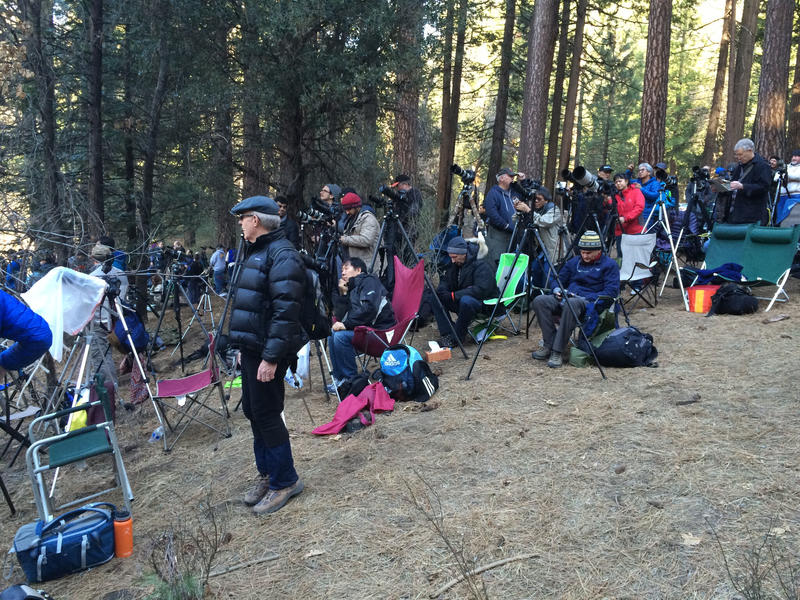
469	280
367	304
265	326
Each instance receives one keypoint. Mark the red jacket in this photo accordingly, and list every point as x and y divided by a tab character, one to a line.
629	206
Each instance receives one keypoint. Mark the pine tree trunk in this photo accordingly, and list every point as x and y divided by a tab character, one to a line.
501	106
253	176
558	93
774	81
710	145
572	89
130	164
443	181
541	43
656	81
94	110
793	131
739	81
406	120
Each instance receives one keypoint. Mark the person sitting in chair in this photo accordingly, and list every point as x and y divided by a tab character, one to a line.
591	282
366	303
469	280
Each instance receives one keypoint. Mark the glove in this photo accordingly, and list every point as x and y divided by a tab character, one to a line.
556	291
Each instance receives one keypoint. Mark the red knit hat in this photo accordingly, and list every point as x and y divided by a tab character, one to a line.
351	200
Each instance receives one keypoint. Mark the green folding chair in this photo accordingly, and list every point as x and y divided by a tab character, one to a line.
767	258
71	447
726	245
508	277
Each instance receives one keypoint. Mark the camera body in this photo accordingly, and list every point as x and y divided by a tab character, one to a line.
319	212
699	174
467	175
526	188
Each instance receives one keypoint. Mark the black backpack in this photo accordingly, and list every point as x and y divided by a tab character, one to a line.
314	312
733	299
625	347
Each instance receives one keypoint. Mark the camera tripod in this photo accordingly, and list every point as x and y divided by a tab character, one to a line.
605	232
392	218
533	229
203	306
663	220
773	201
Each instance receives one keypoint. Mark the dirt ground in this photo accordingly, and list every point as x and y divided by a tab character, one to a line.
637	486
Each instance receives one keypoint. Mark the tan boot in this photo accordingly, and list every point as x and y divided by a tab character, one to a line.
275	499
255	494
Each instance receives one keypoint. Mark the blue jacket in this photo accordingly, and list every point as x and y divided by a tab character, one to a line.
30	332
500	209
11	274
590	281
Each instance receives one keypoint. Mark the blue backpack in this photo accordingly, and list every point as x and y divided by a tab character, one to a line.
139	335
406	376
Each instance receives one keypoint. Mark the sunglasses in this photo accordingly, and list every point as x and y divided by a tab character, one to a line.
247	215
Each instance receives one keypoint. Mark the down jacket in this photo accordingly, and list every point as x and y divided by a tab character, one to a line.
30	332
360	236
270	288
630	205
368	303
476	277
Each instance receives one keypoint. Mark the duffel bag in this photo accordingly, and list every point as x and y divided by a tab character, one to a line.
625	347
73	542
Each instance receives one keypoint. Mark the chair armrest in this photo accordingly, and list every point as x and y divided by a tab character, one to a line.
58	414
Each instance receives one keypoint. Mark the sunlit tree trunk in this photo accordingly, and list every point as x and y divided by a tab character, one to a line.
558	92
541	43
774	81
710	146
656	81
739	81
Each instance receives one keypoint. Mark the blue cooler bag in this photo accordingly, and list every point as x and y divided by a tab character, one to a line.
75	541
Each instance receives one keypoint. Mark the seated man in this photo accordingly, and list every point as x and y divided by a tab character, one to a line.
367	304
585	278
468	281
29	331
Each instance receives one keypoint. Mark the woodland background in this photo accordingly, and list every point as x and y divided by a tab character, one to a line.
149	119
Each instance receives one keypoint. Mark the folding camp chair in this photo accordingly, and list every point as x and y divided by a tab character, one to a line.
408	287
638	271
188	396
726	245
508	277
767	258
71	447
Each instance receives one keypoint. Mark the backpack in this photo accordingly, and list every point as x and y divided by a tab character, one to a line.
314	312
139	335
406	376
733	299
625	347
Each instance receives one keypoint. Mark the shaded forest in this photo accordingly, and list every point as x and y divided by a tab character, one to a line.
151	118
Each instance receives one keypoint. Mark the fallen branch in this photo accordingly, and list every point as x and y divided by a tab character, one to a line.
244	565
494	565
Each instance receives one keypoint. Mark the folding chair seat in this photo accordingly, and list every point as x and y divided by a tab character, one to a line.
74	446
508	277
408	287
726	245
189	396
638	270
767	258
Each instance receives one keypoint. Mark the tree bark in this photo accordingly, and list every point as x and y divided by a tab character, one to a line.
130	170
572	89
711	143
94	109
406	118
448	136
541	43
558	92
793	132
501	106
739	80
656	81
253	177
774	81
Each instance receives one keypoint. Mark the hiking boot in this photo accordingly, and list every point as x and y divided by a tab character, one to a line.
275	499
446	342
257	492
541	354
555	361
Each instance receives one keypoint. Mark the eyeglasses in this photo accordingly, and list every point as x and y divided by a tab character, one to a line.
326	190
247	215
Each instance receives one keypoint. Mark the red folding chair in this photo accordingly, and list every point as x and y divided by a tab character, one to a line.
408	287
188	396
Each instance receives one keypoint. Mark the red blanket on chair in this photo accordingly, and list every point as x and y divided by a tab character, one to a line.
374	396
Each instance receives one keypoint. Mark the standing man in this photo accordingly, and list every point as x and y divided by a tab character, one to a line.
290	227
410	210
650	187
500	211
750	183
218	266
361	230
265	327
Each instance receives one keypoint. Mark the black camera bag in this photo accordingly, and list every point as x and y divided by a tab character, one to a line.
625	347
733	299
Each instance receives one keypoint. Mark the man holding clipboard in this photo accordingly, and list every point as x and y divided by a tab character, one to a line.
749	183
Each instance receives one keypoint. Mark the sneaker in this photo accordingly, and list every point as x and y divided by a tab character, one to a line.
541	354
555	361
275	499
446	342
331	388
256	493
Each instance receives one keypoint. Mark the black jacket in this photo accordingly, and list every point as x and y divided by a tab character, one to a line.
265	315
750	203
368	303
476	277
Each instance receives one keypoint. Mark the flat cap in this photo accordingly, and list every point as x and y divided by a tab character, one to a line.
261	204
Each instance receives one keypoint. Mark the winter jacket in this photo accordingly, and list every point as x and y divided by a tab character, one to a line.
217	262
600	278
792	180
30	332
750	203
360	236
500	211
650	192
476	278
270	287
368	303
549	218
629	206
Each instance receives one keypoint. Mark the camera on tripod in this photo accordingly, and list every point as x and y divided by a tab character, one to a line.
527	188
588	181
699	174
318	212
391	196
467	175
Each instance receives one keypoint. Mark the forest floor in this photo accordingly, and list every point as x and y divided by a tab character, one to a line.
642	485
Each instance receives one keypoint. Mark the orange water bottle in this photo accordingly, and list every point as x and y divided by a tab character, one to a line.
123	534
